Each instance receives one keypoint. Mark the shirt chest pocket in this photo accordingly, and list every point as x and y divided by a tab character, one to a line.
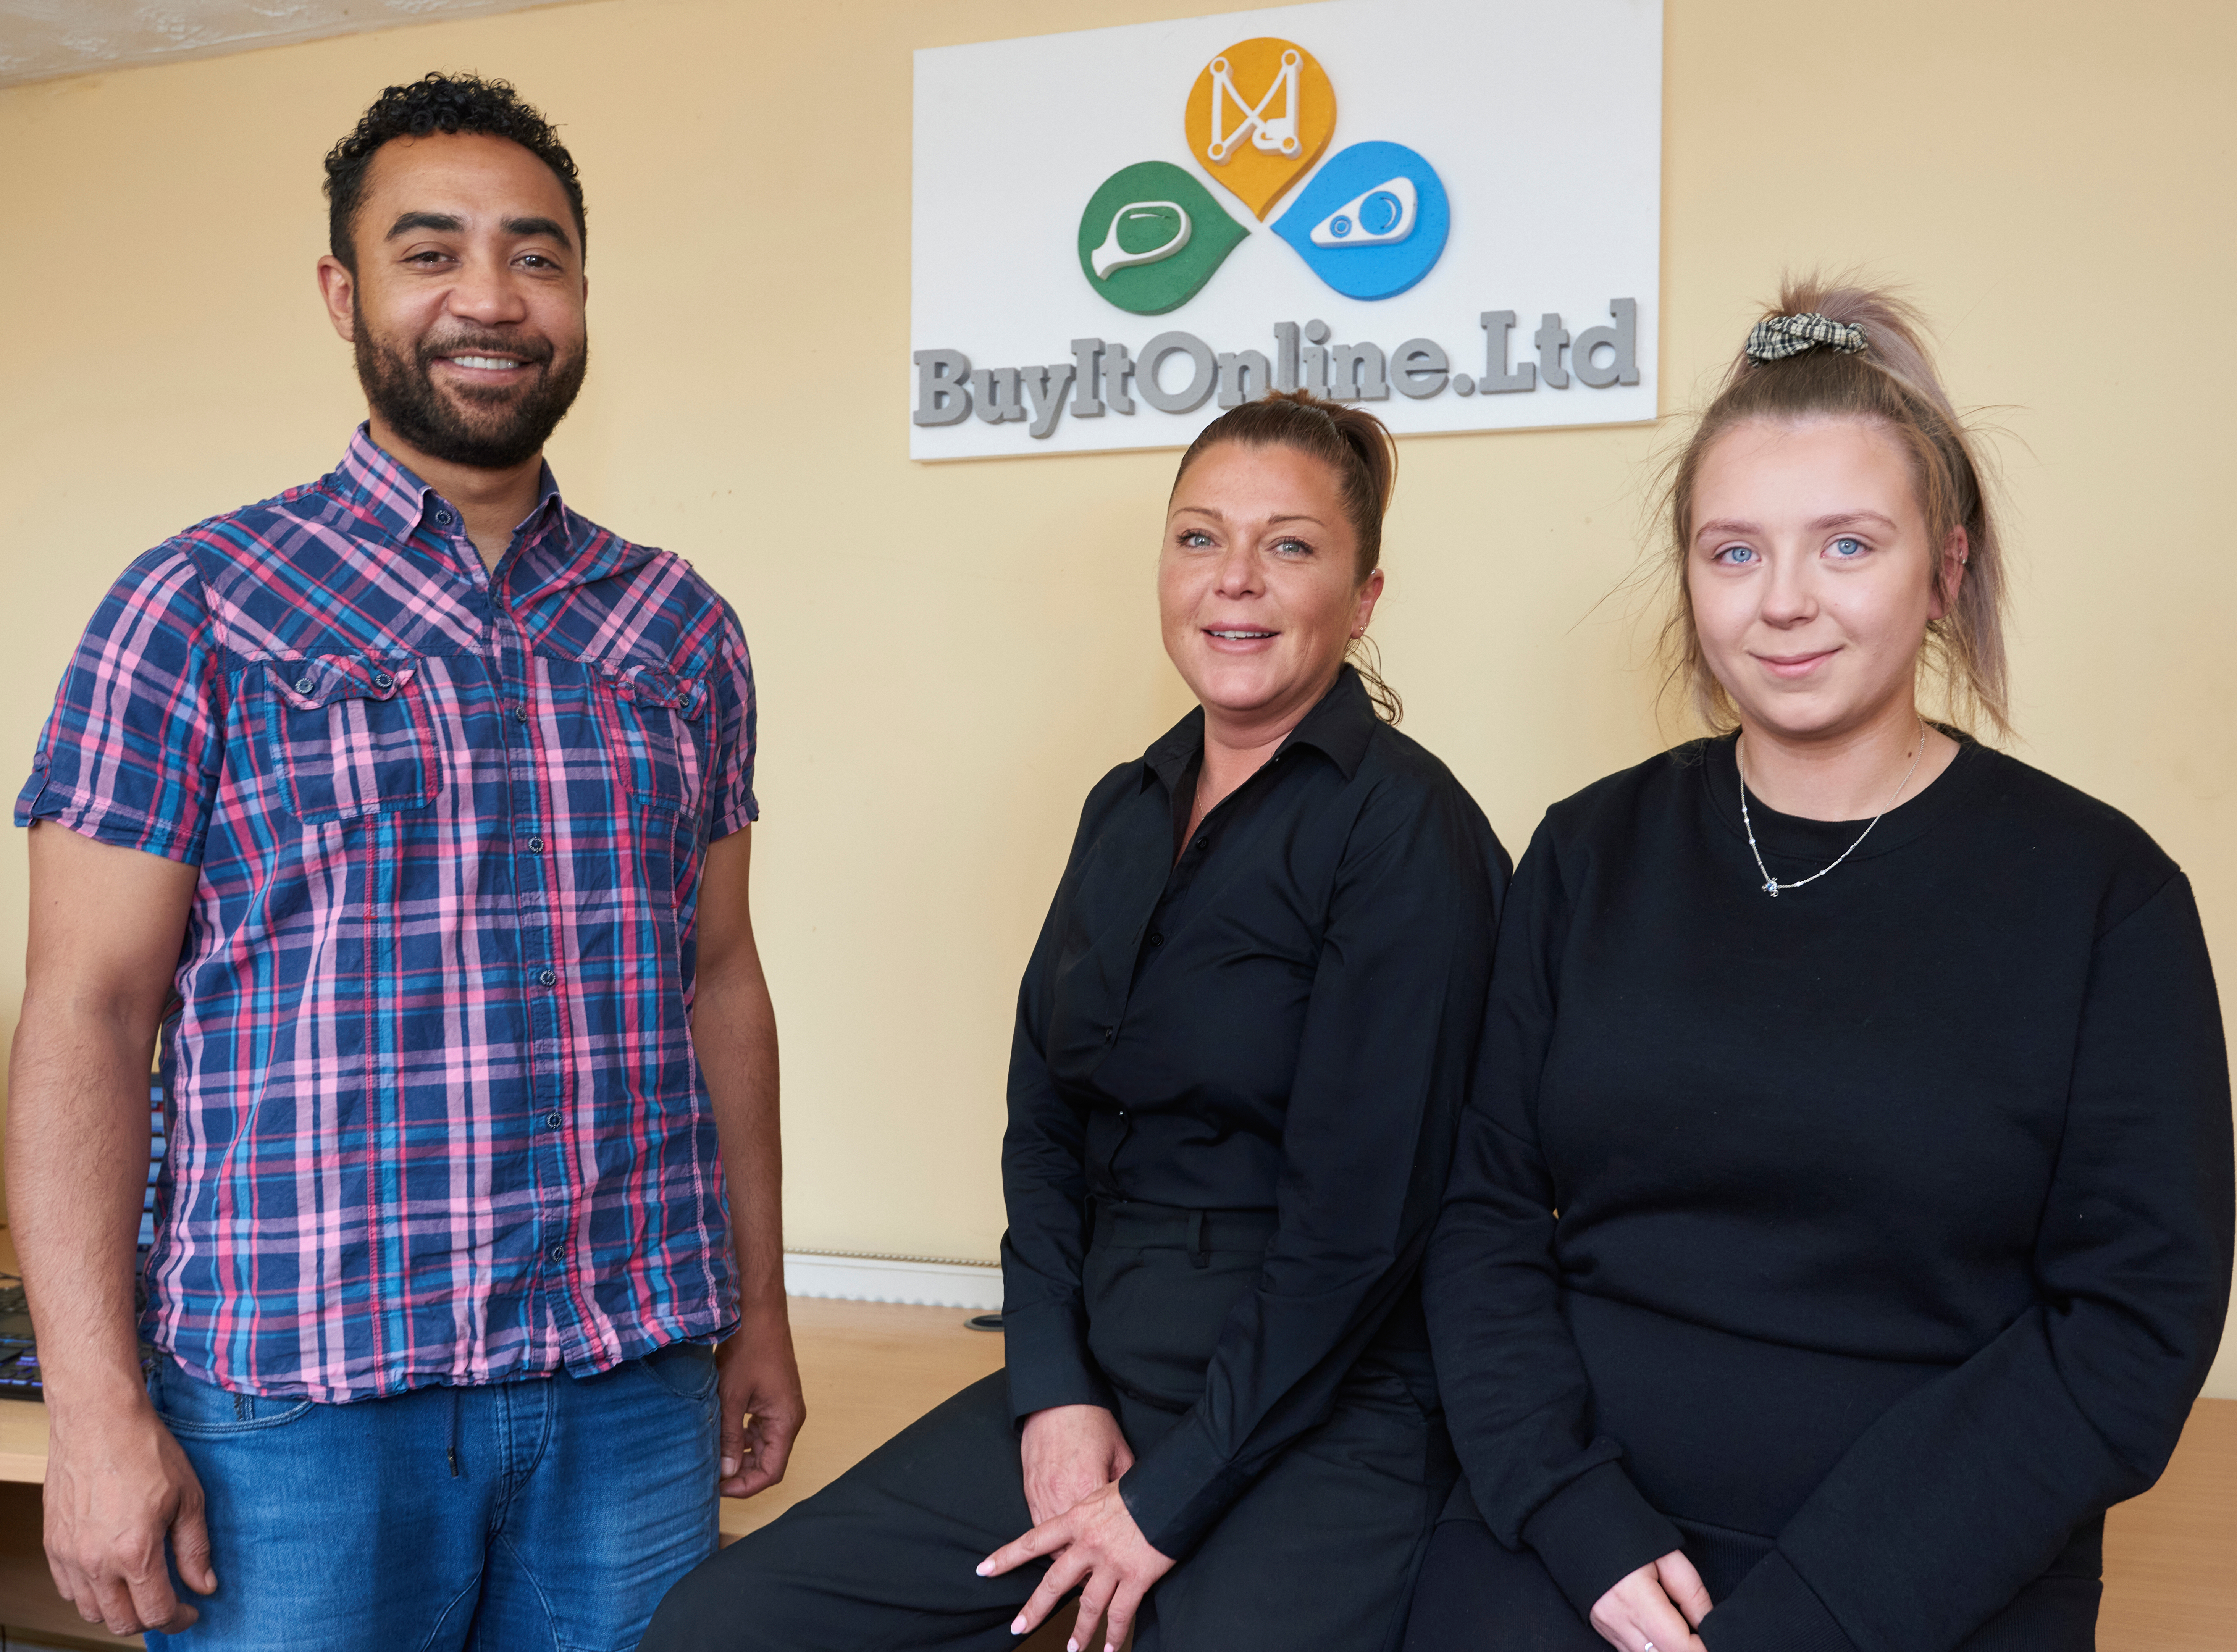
655	734
349	735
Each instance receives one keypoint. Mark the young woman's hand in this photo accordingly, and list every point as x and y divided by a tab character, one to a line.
1070	1452
1098	1549
1654	1610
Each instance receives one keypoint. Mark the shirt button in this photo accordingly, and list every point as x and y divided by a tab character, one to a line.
1204	841
1109	1034
536	846
551	1118
302	685
1156	938
547	977
520	714
442	518
382	679
559	1253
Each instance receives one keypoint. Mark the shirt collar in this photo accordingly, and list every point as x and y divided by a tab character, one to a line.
373	480
1339	726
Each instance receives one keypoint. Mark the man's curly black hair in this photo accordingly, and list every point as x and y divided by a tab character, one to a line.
438	103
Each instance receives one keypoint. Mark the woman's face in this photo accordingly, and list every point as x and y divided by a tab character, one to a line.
1256	584
1812	575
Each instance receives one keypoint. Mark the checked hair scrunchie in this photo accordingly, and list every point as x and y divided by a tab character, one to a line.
1777	337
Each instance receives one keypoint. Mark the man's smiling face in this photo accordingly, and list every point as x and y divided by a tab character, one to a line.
467	301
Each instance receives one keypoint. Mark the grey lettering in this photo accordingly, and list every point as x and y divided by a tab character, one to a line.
1418	368
1285	355
1046	387
1355	372
1085	404
1204	377
943	390
1497	325
1244	376
1549	338
998	394
1118	367
1621	342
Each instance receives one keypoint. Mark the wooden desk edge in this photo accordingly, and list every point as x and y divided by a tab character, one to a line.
23	1441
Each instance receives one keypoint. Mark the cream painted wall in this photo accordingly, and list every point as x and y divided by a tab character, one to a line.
949	655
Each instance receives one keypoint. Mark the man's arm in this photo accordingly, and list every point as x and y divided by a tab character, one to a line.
105	928
733	1030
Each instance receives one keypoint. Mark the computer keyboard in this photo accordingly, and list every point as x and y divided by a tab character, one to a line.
19	1353
19	1360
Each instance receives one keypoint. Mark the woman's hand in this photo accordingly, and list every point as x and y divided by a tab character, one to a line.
1070	1452
1098	1549
1641	1613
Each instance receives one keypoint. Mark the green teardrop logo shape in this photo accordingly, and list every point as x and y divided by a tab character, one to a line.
1152	236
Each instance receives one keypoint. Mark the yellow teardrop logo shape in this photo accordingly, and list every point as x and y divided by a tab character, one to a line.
1258	117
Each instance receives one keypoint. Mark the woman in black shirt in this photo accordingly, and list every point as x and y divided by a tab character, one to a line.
1841	1219
1241	1050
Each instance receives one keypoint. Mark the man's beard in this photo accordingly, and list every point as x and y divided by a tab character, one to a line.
499	427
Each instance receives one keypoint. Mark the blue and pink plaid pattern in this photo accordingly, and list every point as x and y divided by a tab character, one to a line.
436	1116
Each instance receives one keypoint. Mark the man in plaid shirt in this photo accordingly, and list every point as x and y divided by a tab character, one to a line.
408	814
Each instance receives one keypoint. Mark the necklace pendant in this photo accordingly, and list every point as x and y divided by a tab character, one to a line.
1770	888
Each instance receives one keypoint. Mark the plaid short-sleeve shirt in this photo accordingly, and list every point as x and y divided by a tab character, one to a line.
436	1115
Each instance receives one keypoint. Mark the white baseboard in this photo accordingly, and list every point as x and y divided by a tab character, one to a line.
976	1285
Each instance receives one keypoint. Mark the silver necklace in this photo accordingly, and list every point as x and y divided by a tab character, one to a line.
1772	885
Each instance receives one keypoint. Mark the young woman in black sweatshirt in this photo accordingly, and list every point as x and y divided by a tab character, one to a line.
1842	1215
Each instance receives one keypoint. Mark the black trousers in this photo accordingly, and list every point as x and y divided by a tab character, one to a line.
1477	1595
1320	1553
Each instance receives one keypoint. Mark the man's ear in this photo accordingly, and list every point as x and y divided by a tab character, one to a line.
339	288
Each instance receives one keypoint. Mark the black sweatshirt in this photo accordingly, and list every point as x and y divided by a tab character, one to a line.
1888	1218
1280	1014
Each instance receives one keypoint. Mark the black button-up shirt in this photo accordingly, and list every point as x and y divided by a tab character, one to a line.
1278	1014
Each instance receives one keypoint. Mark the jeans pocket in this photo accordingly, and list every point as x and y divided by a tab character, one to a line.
686	1369
190	1406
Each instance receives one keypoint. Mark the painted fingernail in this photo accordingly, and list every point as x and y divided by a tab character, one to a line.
986	1569
1018	1624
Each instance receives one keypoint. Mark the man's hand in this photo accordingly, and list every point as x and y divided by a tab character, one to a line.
1642	1613
1070	1452
1099	1551
117	1488
758	1377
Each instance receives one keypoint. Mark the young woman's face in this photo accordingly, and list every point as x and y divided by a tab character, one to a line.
1256	584
1812	573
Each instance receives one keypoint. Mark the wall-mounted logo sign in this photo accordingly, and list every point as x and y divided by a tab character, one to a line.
1311	203
1259	117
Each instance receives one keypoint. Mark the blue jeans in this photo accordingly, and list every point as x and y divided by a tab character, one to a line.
574	1504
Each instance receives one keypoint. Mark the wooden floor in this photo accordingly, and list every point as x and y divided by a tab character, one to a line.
2170	1556
868	1368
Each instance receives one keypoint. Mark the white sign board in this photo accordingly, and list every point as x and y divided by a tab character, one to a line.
1447	209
